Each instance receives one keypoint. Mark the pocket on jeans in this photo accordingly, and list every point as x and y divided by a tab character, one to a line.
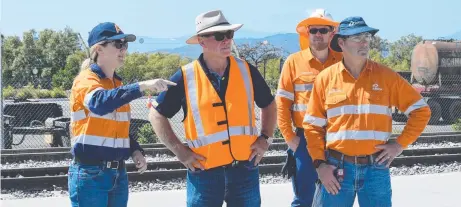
195	172
332	161
297	149
250	165
381	166
89	172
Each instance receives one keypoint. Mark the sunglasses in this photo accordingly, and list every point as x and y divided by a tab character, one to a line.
118	44
321	30
219	36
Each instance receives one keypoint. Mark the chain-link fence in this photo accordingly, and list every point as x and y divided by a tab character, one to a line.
32	122
39	118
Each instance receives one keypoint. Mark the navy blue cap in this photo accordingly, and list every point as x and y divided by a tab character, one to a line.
108	31
350	26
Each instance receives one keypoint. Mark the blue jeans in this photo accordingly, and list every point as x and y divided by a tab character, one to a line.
371	182
97	186
238	186
304	180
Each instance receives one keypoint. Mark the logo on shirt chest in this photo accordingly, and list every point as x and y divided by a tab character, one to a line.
375	87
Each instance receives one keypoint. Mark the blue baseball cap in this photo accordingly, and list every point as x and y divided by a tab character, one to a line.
108	31
350	26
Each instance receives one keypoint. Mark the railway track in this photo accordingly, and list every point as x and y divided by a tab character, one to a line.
50	177
168	165
39	178
54	154
424	138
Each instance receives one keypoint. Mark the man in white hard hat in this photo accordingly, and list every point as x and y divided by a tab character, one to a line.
294	89
217	93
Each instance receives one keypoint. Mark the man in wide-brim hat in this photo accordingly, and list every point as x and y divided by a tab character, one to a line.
295	86
217	92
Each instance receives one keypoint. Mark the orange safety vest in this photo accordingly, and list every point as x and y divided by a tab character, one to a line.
102	137
220	130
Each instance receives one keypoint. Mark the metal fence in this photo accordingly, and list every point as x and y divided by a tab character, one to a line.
37	118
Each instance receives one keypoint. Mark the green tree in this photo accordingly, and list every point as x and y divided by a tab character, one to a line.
134	67
259	54
379	44
37	56
65	77
400	52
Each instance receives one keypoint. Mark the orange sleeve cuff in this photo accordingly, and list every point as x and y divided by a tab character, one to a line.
289	135
316	154
404	142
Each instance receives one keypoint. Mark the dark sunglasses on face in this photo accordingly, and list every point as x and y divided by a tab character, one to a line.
119	44
321	30
219	36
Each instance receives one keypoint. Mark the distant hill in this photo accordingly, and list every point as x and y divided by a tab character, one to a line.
456	35
288	41
149	44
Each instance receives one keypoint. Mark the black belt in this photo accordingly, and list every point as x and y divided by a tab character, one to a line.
363	159
114	164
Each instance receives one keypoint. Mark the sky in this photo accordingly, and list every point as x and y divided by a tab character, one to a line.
175	18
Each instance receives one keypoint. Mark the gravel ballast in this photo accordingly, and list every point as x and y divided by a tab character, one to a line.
179	184
162	157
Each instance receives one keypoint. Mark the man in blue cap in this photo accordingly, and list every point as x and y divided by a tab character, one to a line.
348	122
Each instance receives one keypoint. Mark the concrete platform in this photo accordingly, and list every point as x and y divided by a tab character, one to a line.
441	190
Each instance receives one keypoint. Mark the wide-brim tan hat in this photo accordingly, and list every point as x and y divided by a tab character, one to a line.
209	22
318	17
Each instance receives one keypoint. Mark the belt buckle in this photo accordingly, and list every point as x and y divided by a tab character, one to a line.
109	164
235	163
360	156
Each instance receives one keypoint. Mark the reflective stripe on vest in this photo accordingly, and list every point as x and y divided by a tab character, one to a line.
115	116
299	107
419	104
357	135
303	87
221	136
101	141
90	95
285	94
359	109
203	140
316	121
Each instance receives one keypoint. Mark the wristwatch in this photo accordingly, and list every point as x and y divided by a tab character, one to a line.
268	139
317	163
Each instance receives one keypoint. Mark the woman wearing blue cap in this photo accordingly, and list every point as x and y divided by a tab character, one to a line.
100	122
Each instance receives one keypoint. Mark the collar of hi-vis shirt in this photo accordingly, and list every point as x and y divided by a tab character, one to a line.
333	56
96	69
342	68
215	79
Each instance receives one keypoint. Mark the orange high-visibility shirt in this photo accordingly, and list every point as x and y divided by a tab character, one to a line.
352	116
294	88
